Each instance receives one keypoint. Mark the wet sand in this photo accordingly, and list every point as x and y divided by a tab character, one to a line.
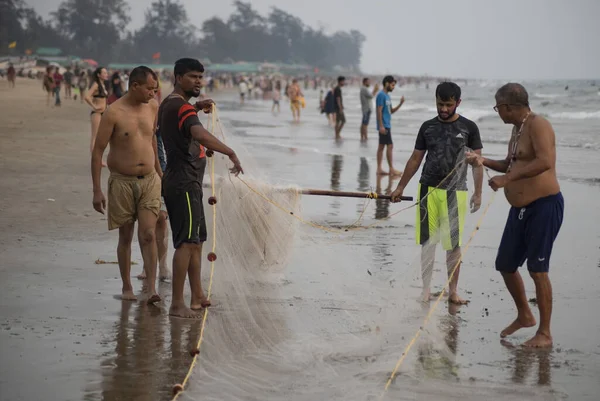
332	309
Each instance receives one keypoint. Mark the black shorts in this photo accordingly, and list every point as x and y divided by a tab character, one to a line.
186	214
340	117
387	138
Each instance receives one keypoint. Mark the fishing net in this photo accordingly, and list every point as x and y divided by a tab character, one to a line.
302	311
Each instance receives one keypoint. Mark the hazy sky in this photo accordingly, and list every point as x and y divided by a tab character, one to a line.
518	39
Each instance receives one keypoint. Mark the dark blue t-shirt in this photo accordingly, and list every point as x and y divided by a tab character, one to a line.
445	144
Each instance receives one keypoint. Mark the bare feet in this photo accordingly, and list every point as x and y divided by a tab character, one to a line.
200	303
154	299
519	323
164	274
539	341
396	173
142	275
183	311
456	300
381	172
128	295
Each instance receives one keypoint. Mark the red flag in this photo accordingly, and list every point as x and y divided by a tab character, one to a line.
156	56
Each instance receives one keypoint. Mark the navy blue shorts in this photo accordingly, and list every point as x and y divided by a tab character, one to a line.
387	138
366	118
529	234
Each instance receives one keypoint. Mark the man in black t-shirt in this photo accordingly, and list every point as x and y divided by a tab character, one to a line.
185	141
443	185
340	117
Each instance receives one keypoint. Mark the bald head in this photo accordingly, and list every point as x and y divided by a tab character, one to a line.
513	94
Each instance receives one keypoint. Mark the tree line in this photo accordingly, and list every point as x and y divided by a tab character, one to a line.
97	29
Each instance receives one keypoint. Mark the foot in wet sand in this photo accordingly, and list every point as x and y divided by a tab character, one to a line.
128	295
396	173
154	298
539	341
519	323
381	172
183	312
164	274
200	303
456	300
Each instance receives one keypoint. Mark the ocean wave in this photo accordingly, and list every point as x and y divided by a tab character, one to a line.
576	115
548	95
562	144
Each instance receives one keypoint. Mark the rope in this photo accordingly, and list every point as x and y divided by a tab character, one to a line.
437	301
212	271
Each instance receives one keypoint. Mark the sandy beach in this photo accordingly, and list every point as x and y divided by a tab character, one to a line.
329	324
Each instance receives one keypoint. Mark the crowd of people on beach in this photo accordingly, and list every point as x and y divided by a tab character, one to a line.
158	151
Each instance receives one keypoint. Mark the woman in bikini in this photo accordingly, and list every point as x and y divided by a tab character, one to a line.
96	97
48	83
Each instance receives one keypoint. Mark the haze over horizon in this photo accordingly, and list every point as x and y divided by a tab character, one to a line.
537	39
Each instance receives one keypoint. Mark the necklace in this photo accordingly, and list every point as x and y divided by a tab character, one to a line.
515	140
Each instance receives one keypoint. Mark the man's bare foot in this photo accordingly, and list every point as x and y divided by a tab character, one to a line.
456	300
381	172
183	311
128	295
539	341
519	323
142	276
154	299
396	173
164	274
200	303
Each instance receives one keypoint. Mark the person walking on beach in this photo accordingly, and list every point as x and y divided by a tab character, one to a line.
442	193
11	75
185	141
294	94
383	102
96	97
366	100
134	182
537	207
340	116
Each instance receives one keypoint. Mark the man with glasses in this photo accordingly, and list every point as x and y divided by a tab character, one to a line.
534	220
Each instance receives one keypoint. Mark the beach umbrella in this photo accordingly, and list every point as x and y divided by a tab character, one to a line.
91	62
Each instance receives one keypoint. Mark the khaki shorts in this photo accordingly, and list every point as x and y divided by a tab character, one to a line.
129	194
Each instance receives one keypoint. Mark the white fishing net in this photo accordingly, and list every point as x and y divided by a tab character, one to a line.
301	310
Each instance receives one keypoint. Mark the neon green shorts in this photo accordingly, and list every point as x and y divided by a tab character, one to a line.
441	215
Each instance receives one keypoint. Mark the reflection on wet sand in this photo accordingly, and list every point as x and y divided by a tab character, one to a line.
363	182
522	361
337	163
147	361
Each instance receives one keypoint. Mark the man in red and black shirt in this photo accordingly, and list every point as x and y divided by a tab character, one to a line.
185	141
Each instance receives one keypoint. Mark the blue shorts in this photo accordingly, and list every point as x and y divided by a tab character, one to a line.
529	234
366	118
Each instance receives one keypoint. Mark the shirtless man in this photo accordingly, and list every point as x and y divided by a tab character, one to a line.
294	93
134	182
536	215
186	141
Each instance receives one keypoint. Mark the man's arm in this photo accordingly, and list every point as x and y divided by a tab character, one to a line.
478	175
338	100
157	166
380	116
210	141
105	131
542	139
412	166
395	109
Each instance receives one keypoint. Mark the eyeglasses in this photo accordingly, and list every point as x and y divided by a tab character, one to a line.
498	105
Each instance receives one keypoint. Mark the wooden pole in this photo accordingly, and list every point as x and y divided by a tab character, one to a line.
340	194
